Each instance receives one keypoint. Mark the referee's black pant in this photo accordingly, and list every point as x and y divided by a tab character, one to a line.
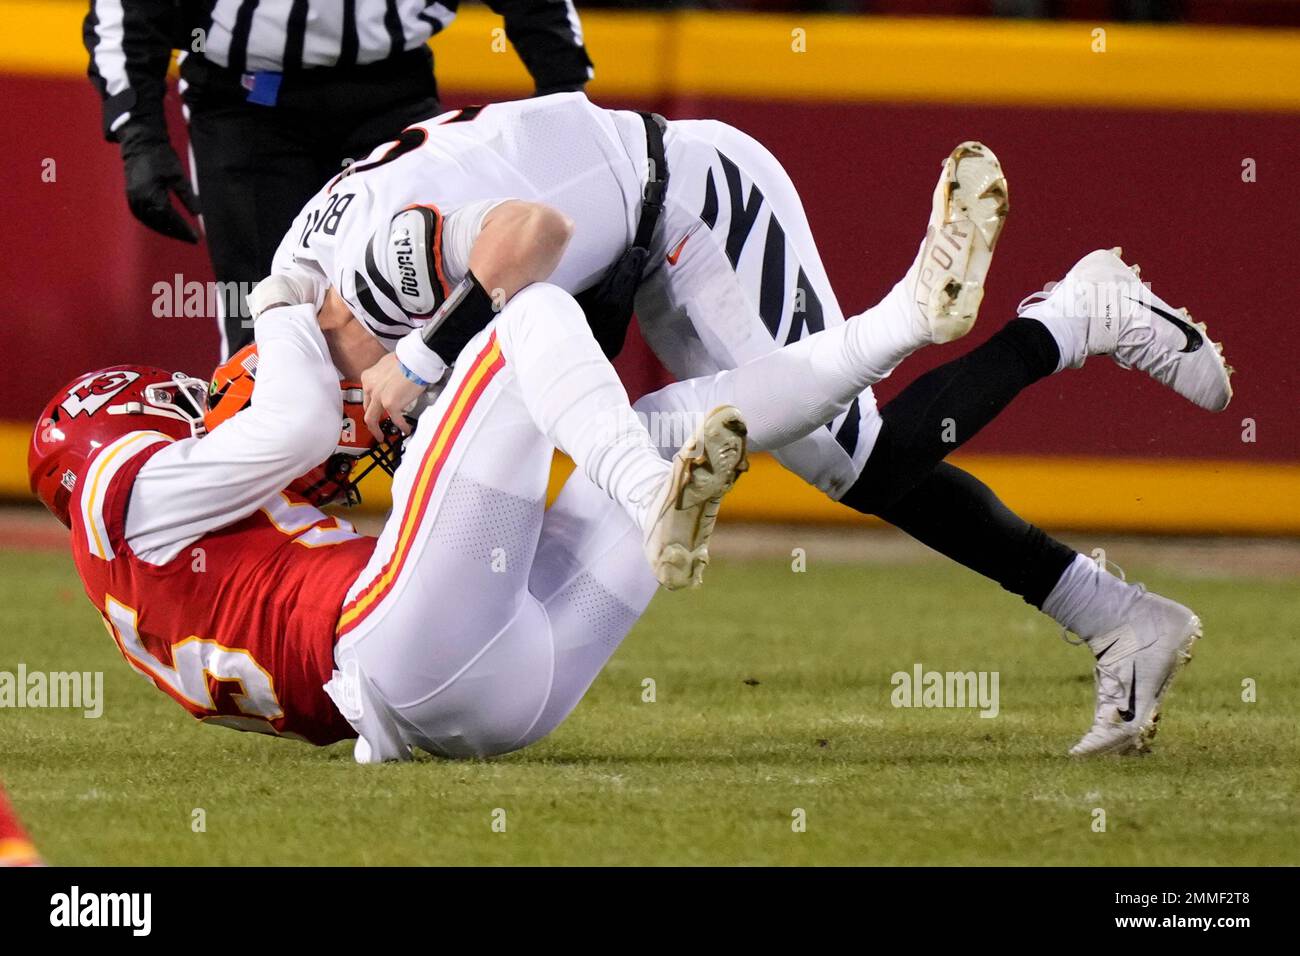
256	166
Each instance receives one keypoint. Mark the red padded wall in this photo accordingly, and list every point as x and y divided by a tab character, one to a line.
76	272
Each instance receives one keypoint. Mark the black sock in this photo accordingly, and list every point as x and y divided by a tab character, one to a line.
947	406
959	516
907	482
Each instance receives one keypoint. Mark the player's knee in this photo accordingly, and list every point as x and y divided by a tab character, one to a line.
539	309
543	297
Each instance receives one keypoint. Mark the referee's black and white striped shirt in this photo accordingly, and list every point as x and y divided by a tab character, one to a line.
130	41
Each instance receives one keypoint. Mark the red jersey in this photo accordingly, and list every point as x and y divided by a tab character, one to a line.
239	627
15	847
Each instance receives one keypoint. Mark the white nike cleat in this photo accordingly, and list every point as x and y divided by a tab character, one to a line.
682	519
1102	307
1136	663
946	281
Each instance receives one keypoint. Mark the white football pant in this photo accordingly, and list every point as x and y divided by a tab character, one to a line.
735	273
481	619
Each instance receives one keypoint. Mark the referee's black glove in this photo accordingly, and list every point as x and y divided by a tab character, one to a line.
153	172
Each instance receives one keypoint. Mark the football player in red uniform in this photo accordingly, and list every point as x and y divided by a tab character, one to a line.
477	619
216	578
15	847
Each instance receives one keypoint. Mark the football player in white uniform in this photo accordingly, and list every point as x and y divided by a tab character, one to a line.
431	235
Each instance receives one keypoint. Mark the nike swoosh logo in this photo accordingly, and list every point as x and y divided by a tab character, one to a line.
1128	715
677	251
1193	335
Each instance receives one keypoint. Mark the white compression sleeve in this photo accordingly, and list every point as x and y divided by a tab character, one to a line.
196	486
789	393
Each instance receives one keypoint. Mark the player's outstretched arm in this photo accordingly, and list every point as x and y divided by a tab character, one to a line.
194	487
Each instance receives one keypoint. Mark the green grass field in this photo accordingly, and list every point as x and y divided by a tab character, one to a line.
772	693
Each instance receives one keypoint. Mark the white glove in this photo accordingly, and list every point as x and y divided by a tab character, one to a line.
301	286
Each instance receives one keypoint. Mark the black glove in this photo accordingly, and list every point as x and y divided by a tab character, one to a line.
153	172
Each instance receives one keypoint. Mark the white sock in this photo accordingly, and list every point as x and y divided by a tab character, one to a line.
576	399
885	334
1069	330
1088	600
792	391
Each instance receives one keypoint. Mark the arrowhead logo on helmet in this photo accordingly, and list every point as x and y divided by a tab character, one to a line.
98	408
96	390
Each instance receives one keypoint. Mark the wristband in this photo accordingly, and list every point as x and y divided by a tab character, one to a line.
411	376
417	360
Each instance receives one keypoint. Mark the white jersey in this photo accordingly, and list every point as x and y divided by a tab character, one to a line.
440	178
732	270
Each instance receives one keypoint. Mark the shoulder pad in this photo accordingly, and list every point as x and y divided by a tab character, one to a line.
414	254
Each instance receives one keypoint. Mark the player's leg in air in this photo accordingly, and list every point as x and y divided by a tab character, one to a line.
736	272
1101	308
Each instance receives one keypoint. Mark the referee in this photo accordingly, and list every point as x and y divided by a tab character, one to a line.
278	95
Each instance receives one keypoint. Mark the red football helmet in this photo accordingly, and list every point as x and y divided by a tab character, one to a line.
100	407
357	454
